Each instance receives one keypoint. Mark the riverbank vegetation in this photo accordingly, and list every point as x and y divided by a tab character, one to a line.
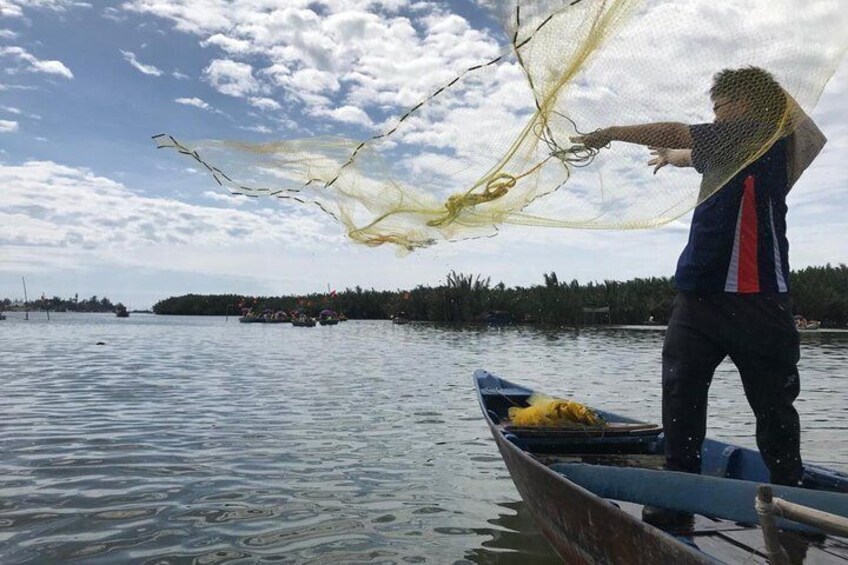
57	304
820	293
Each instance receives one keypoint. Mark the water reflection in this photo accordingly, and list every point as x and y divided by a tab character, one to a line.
515	540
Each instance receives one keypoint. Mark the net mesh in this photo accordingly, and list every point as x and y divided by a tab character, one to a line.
546	411
506	140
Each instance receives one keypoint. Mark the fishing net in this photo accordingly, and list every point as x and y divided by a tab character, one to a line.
494	144
545	411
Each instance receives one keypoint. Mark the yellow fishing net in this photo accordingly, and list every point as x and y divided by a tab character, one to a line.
503	141
547	411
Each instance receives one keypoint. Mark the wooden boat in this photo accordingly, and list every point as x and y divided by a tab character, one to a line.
328	321
803	324
267	317
303	322
586	487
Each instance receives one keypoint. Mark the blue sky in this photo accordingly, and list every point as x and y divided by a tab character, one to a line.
89	206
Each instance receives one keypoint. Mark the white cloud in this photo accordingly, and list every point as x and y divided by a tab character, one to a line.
363	51
14	8
35	65
257	129
196	102
228	199
114	14
7	34
10	9
231	77
47	207
150	70
229	44
265	103
313	80
346	114
8	126
179	76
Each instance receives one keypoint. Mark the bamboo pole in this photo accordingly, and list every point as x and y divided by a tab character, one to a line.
26	300
826	521
766	510
769	507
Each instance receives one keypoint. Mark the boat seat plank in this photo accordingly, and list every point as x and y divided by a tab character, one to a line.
808	550
638	460
726	551
703	525
610	430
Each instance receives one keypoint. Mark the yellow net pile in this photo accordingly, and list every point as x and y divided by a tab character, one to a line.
546	411
493	145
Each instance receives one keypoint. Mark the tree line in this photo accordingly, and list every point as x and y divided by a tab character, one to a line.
57	304
819	293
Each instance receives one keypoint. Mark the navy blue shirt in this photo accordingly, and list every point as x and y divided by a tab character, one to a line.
737	242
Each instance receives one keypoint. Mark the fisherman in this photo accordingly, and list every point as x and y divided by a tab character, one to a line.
733	276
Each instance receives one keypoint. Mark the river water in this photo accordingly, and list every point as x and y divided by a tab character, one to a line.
200	440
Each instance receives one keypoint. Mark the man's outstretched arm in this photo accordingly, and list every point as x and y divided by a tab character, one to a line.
674	135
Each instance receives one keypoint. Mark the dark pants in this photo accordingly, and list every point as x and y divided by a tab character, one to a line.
758	333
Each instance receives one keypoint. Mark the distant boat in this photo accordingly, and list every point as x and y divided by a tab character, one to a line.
586	486
497	318
267	317
400	318
271	317
2	316
328	318
304	322
121	311
802	324
342	318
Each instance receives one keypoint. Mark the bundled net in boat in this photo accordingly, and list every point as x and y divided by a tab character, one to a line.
494	145
545	411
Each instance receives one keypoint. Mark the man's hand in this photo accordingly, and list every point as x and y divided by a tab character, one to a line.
664	156
596	139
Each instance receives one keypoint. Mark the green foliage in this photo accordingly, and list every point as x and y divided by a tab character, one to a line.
56	304
820	293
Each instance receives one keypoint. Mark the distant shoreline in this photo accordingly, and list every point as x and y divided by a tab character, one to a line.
819	293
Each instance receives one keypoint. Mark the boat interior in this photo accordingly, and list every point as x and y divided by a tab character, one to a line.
624	442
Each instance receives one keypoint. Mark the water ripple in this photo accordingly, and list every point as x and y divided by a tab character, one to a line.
349	444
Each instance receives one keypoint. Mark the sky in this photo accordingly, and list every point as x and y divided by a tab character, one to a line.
88	206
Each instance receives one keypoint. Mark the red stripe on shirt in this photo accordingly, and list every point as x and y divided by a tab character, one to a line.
749	276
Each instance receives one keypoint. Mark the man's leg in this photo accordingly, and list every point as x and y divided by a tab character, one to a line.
770	377
690	358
